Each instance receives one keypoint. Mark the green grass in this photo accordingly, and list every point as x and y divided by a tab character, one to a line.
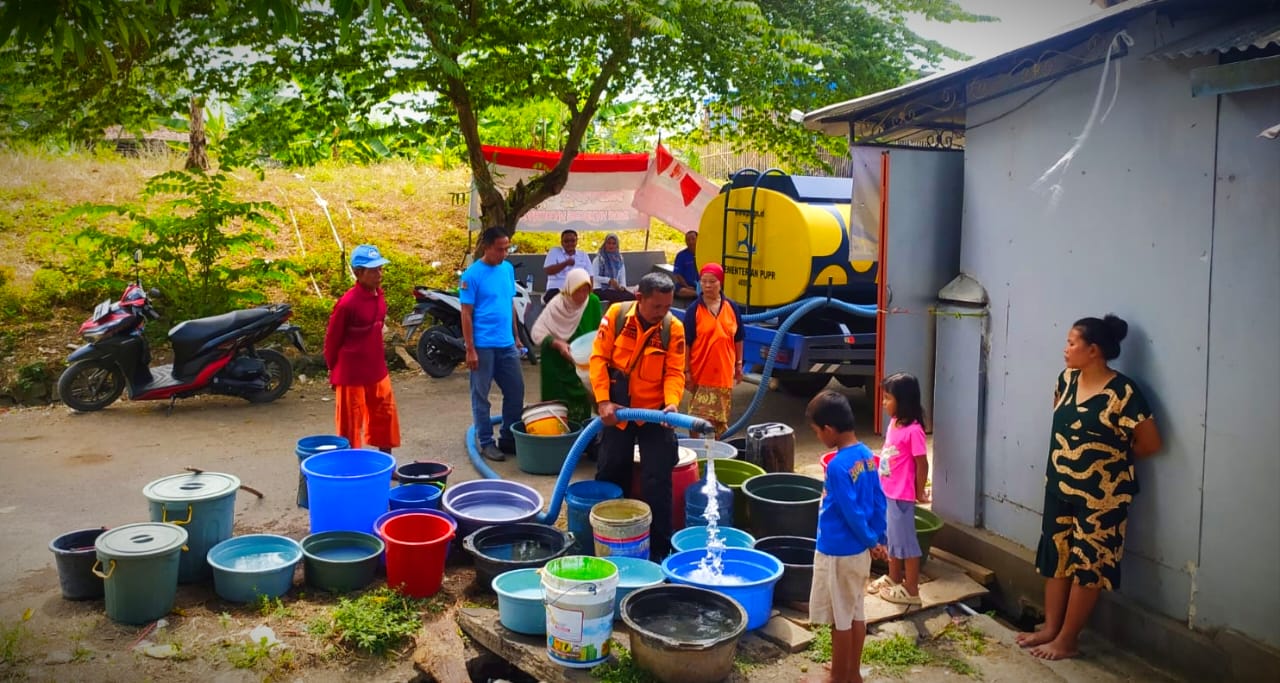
965	637
895	656
624	670
378	621
820	649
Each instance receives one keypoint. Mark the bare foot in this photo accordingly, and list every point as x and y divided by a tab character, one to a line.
1053	651
1033	639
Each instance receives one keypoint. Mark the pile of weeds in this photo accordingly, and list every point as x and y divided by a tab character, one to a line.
378	622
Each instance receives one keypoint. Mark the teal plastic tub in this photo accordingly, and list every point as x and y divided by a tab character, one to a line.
693	537
246	568
634	574
520	605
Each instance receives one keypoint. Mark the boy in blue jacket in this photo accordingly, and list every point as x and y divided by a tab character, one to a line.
851	530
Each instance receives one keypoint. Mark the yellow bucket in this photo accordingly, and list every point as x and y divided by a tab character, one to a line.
549	418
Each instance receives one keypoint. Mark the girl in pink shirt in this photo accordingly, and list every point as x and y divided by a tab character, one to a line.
904	469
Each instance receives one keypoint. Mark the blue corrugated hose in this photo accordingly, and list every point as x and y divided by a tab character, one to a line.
792	313
677	420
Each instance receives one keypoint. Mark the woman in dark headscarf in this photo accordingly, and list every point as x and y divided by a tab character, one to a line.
609	272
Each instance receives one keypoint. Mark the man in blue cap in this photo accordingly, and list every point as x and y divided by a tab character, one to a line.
366	409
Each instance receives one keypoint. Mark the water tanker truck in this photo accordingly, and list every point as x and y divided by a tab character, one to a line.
782	238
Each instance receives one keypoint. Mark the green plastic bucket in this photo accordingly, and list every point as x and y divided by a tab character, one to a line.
928	525
537	454
578	593
204	504
138	564
732	473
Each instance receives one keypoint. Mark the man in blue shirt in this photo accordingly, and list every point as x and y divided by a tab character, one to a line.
685	268
493	351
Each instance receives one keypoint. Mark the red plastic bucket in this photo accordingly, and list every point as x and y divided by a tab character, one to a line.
826	459
416	548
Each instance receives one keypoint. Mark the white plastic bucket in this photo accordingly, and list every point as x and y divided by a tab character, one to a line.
578	593
580	349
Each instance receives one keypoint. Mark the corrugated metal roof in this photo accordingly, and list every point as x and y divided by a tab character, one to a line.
832	118
1239	34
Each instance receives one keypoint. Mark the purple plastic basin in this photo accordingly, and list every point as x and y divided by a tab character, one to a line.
487	502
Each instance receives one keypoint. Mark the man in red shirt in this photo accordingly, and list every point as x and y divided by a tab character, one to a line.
353	350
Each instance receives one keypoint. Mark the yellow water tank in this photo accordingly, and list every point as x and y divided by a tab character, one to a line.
796	248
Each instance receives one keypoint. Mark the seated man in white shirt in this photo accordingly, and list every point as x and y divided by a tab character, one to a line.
561	260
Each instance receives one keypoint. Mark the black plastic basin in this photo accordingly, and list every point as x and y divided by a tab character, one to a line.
498	549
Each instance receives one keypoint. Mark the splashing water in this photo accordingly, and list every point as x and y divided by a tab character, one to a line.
711	567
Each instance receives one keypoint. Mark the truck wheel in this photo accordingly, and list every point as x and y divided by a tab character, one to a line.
803	384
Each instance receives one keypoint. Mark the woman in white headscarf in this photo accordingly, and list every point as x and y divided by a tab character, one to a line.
573	312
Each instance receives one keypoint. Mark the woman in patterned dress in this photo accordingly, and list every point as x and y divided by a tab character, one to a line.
1101	426
713	335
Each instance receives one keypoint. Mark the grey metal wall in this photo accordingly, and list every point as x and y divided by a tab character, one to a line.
1238	583
1131	233
922	252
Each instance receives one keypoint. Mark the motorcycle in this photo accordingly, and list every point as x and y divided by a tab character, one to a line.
440	347
214	355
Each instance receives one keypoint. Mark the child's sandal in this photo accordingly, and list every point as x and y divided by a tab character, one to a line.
898	595
879	584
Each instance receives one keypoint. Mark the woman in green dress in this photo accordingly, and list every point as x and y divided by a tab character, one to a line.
1102	425
573	312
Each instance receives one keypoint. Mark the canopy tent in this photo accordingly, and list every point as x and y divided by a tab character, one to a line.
604	192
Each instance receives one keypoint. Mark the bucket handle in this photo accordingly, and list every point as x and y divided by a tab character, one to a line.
591	589
97	563
164	516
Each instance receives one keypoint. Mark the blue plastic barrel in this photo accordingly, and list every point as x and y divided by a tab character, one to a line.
348	489
310	445
581	496
695	505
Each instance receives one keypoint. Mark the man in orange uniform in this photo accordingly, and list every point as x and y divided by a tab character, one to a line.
642	366
365	409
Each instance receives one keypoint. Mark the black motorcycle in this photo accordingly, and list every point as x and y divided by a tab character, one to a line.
210	355
440	348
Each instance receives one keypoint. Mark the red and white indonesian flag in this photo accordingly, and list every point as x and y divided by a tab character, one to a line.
672	193
597	195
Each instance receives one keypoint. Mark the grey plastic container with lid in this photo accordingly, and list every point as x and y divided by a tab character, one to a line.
138	564
204	504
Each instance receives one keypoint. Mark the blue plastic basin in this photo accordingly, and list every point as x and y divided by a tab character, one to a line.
520	601
246	567
755	571
634	574
692	537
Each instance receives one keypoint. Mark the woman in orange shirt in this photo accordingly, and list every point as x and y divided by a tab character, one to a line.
713	335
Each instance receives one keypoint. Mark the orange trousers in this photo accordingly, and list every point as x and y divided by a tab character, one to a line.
366	414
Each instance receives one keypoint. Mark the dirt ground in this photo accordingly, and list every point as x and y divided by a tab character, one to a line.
61	471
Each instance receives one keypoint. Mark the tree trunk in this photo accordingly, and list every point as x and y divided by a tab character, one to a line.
197	141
